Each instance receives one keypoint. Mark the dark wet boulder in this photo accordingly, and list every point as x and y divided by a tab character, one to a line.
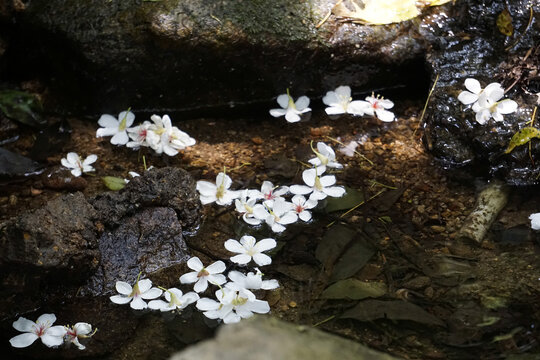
58	240
166	187
478	50
14	166
196	53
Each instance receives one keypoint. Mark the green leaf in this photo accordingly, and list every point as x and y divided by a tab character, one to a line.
522	137
114	183
22	107
354	258
370	310
354	289
351	198
504	23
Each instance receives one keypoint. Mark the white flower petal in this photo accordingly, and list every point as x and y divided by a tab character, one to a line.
216	268
241	259
259	306
473	85
302	103
152	293
278	112
52	341
108	121
283	100
262	259
24	325
265	244
108	131
291	116
234	246
305	215
206	304
23	340
216	279
334	191
189	278
300	189
138	304
120	299
507	106
467	97
247	241
145	285
48	319
195	263
269	284
120	138
201	285
385	115
331	99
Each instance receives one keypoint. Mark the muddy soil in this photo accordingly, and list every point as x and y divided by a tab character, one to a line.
410	217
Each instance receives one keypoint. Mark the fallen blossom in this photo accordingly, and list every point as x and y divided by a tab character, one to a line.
249	249
117	128
203	275
77	165
291	109
135	296
50	336
218	192
176	300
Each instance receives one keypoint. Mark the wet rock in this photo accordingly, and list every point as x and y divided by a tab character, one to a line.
58	242
14	166
145	242
478	50
268	338
210	52
166	187
59	178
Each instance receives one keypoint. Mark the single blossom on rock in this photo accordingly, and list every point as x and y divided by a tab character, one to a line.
248	248
339	102
301	206
291	109
77	165
535	221
319	186
325	156
50	336
79	330
232	305
490	105
135	296
176	300
474	90
250	281
377	105
218	192
117	128
203	275
280	214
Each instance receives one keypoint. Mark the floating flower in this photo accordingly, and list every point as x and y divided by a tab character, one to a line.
251	281
349	149
50	336
325	156
218	192
490	105
203	275
340	102
176	300
475	90
280	214
291	109
376	106
117	128
77	165
232	305
301	206
134	295
245	207
269	192
535	221
248	248
319	186
79	330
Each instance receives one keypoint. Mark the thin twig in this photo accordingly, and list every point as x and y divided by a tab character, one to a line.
356	152
356	207
324	321
426	104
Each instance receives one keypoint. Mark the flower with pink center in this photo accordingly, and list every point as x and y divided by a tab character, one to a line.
269	193
138	135
301	206
50	336
377	105
79	330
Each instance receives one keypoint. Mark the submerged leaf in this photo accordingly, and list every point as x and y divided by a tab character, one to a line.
114	183
354	289
333	244
522	137
351	199
353	260
369	310
504	23
22	107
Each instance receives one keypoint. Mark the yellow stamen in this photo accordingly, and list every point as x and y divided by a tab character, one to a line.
123	125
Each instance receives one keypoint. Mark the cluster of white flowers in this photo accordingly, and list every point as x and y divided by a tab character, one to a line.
274	209
486	103
339	102
158	135
51	336
235	298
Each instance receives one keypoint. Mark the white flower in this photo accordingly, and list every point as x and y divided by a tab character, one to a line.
50	336
251	281
110	126
138	135
269	192
475	90
340	102
320	187
535	221
165	138
141	290
232	305
280	214
77	165
325	156
301	206
490	105
218	192
376	106
176	300
79	330
245	207
349	149
203	275
290	109
248	248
